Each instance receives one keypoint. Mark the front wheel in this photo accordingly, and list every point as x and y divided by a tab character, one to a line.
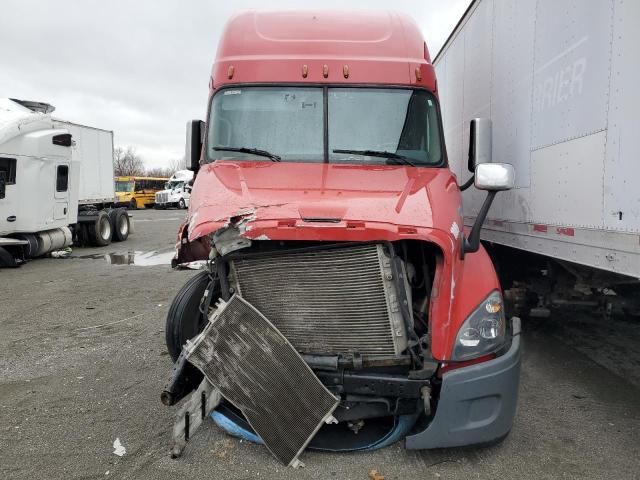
184	320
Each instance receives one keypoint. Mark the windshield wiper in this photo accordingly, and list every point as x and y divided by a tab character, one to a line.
379	153
254	151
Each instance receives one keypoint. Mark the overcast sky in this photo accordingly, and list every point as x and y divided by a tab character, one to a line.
141	67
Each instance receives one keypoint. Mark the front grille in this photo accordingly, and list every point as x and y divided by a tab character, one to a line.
327	301
257	370
162	197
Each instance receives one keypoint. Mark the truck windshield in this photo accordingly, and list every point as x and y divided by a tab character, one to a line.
124	186
173	184
365	125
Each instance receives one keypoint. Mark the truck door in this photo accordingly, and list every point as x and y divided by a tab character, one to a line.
61	203
8	201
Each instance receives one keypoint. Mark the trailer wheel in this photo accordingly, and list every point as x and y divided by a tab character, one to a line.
120	224
181	204
184	320
630	294
133	205
100	231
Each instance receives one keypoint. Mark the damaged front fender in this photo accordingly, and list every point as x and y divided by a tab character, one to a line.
190	251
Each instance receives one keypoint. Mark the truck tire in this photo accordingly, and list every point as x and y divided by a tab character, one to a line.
100	232
133	205
631	295
120	224
182	204
6	259
184	320
32	248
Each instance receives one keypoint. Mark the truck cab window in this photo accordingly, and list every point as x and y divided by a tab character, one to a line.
399	121
288	123
8	167
62	178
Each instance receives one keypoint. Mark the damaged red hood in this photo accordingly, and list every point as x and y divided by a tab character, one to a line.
318	195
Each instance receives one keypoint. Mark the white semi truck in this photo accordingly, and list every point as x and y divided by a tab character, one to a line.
557	80
56	184
177	192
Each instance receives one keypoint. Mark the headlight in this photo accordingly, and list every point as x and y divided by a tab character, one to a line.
483	331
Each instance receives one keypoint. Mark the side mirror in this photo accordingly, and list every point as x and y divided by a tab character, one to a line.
195	129
480	133
3	185
494	176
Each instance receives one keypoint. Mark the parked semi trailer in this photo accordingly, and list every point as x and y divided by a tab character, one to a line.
557	79
325	204
56	184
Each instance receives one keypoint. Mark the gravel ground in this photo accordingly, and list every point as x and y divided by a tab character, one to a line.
83	361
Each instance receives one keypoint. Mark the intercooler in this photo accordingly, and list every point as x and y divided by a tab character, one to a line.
327	301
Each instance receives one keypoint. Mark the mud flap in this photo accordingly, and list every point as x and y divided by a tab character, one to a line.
256	368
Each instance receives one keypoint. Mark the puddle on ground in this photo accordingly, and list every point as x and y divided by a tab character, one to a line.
140	259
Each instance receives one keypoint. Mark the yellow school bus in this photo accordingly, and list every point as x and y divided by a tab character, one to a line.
138	192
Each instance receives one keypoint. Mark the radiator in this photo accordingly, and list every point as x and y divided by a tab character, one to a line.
256	369
327	301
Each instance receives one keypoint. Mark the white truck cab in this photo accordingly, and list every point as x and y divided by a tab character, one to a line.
56	184
33	150
177	191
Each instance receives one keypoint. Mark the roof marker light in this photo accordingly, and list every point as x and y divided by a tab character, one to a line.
230	72
345	71
418	74
427	57
325	70
305	71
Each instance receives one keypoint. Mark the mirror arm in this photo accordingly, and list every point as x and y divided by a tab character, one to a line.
472	244
468	183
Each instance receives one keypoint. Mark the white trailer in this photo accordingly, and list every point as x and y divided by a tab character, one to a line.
93	148
56	184
557	79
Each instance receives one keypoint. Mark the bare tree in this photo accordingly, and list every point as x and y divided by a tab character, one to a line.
174	165
177	164
158	172
127	162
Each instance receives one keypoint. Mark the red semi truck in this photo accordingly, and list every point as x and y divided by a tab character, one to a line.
323	197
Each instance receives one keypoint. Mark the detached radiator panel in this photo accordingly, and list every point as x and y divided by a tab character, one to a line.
260	372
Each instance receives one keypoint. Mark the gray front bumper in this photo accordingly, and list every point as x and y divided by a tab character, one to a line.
477	403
